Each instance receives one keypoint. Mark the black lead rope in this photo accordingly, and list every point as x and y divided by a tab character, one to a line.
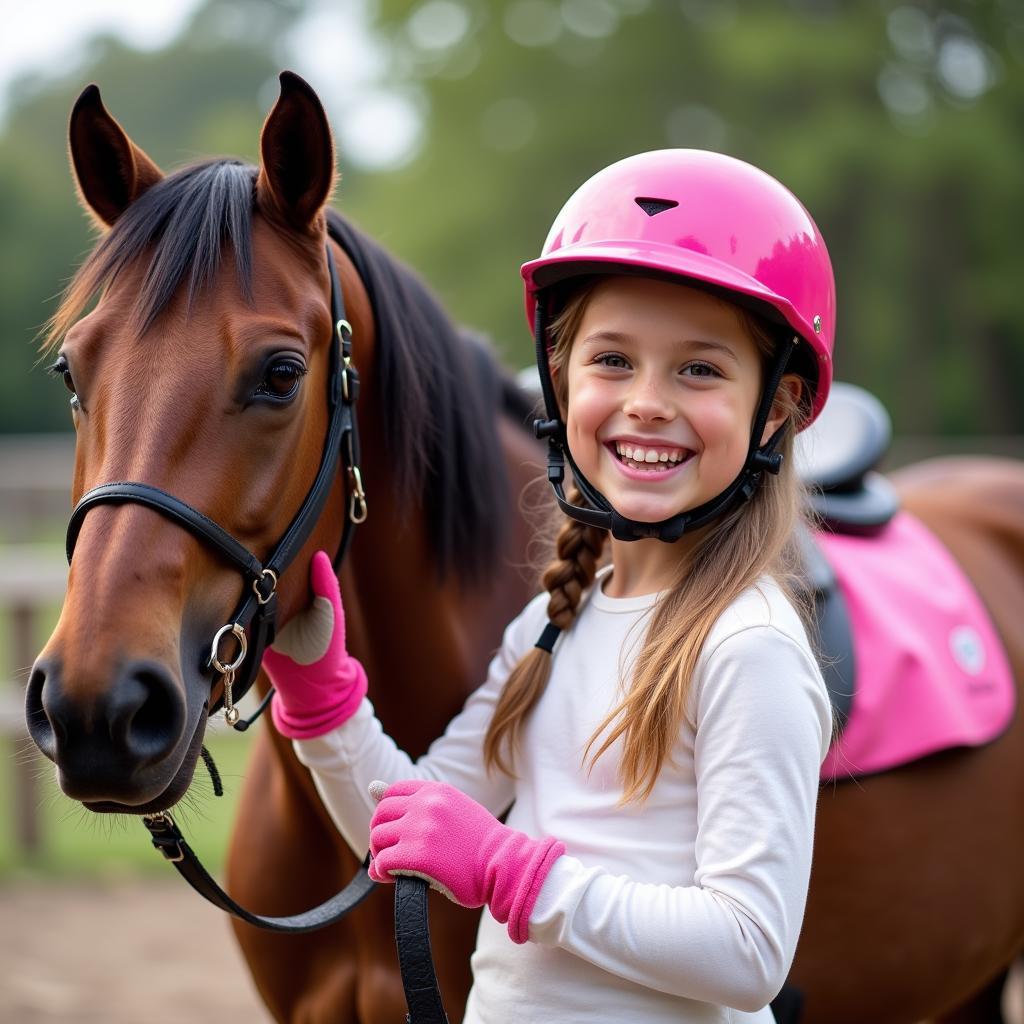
412	925
253	627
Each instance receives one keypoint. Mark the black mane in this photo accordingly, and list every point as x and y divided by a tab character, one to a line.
440	391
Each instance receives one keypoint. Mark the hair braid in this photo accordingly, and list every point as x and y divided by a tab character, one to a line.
578	549
577	553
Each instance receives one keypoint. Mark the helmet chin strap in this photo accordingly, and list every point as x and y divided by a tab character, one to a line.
599	512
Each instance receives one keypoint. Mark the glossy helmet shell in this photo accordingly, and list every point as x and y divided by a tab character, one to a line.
712	219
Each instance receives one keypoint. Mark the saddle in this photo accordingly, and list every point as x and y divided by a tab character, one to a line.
836	458
909	654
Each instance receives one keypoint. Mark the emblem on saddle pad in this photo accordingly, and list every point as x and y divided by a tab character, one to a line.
968	649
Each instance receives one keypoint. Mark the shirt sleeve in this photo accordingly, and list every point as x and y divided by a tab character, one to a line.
345	761
763	725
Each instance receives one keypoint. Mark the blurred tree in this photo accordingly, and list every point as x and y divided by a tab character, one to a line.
897	123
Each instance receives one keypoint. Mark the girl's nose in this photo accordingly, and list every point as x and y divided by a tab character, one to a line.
648	399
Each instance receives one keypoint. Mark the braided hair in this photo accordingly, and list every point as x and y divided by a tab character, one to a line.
578	550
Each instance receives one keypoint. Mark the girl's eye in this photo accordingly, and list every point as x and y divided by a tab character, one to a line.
61	369
705	370
281	380
613	360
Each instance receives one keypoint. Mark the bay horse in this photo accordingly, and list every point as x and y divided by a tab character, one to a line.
916	904
202	370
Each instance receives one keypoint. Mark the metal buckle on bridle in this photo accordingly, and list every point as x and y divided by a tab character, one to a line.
263	595
231	713
344	331
357	509
164	835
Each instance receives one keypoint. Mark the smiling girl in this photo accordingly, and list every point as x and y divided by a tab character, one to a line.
653	730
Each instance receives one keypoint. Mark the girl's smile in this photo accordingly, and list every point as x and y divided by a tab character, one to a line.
663	381
648	460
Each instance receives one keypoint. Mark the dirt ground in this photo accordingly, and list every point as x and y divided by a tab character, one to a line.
142	952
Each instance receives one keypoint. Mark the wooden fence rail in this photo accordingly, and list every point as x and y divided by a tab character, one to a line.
32	582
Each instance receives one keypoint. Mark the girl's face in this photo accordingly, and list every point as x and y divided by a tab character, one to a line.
663	382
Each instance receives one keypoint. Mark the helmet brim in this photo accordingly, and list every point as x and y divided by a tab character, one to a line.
671	261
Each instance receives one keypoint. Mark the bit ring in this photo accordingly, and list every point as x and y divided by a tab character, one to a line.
243	646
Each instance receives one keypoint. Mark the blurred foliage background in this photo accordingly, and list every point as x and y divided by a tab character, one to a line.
463	125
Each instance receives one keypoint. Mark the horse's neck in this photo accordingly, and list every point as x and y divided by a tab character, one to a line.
406	627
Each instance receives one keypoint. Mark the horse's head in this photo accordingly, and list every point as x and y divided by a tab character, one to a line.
201	371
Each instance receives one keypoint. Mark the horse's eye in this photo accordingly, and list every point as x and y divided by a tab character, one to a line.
61	369
281	380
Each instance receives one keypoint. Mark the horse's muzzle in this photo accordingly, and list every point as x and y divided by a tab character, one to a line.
123	743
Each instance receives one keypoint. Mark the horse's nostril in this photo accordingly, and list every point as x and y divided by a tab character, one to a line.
146	711
40	727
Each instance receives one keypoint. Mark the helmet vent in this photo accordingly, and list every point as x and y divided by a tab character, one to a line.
652	207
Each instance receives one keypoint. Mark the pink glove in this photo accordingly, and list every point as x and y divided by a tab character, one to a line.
319	684
437	833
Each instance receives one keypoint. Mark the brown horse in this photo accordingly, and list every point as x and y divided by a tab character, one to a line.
206	376
916	907
917	894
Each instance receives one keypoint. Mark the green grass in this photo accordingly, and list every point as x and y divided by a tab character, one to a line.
76	843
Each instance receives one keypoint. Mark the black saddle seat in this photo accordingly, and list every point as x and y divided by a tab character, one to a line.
836	457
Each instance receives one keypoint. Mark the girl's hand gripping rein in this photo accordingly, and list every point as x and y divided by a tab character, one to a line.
319	684
435	832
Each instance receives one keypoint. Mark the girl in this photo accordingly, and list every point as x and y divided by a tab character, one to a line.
657	748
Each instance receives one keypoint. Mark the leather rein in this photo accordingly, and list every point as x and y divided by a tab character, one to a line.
252	627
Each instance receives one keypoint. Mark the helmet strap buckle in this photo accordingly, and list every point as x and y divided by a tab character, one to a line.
547	428
769	461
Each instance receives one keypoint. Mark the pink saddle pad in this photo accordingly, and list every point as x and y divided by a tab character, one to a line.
931	673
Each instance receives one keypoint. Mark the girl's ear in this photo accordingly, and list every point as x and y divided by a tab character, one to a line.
786	404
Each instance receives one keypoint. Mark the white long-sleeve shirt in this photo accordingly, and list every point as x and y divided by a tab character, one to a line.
684	909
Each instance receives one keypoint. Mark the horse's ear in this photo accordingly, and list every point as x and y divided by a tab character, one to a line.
111	171
296	155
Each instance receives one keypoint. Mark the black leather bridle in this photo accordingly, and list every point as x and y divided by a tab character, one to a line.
253	626
253	623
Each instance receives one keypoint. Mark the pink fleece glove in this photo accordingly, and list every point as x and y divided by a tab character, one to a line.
319	684
437	833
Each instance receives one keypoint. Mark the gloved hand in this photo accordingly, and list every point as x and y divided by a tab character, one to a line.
319	684
435	832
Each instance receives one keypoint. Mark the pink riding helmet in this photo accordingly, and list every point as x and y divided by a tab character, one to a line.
703	216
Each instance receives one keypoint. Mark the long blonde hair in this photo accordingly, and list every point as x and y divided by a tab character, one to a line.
754	539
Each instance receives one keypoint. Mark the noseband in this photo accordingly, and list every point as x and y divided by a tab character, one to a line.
252	627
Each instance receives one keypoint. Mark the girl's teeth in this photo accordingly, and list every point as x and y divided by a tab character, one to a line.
647	456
